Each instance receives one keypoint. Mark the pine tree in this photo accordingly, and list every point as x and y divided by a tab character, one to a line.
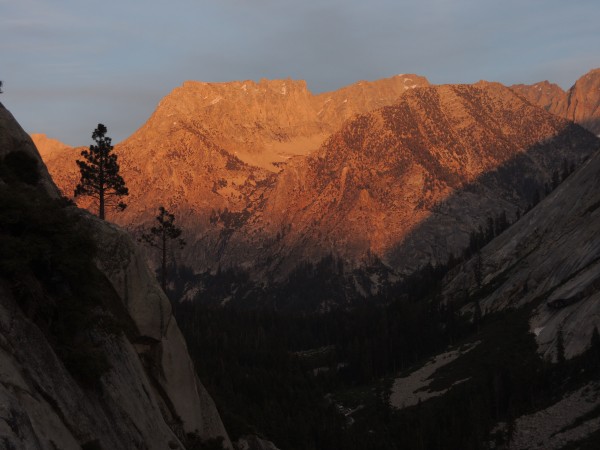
0	87
159	237
100	177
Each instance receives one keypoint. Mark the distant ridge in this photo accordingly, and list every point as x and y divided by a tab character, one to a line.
581	103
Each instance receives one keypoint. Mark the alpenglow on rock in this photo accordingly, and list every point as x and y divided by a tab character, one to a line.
266	175
581	103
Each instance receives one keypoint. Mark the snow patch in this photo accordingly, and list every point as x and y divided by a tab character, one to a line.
216	100
410	390
284	90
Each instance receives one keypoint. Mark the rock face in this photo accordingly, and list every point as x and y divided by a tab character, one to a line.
580	104
547	95
261	123
150	397
406	182
583	102
550	257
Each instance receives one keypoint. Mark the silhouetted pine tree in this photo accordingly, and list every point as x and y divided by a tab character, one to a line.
159	237
100	177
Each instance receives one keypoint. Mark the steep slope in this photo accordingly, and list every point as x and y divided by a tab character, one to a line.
550	257
408	182
90	353
581	103
544	94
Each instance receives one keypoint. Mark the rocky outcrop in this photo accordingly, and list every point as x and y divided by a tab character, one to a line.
581	103
550	257
148	397
182	397
13	137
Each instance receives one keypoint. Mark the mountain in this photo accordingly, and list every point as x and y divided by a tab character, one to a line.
410	181
405	183
216	146
581	103
547	95
262	123
90	354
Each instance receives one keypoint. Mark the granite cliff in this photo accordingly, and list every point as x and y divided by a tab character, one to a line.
90	355
550	258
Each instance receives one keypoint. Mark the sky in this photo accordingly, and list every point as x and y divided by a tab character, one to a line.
68	65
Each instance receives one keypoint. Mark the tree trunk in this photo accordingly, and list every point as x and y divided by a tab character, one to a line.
163	280
101	206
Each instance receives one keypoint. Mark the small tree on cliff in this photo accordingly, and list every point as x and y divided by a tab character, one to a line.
100	177
160	236
0	86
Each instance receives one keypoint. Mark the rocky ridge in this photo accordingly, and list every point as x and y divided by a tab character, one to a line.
405	183
581	103
408	182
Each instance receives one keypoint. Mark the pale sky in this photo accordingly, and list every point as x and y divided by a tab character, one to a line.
68	65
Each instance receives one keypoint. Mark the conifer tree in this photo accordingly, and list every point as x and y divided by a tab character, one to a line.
159	238
100	177
0	86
